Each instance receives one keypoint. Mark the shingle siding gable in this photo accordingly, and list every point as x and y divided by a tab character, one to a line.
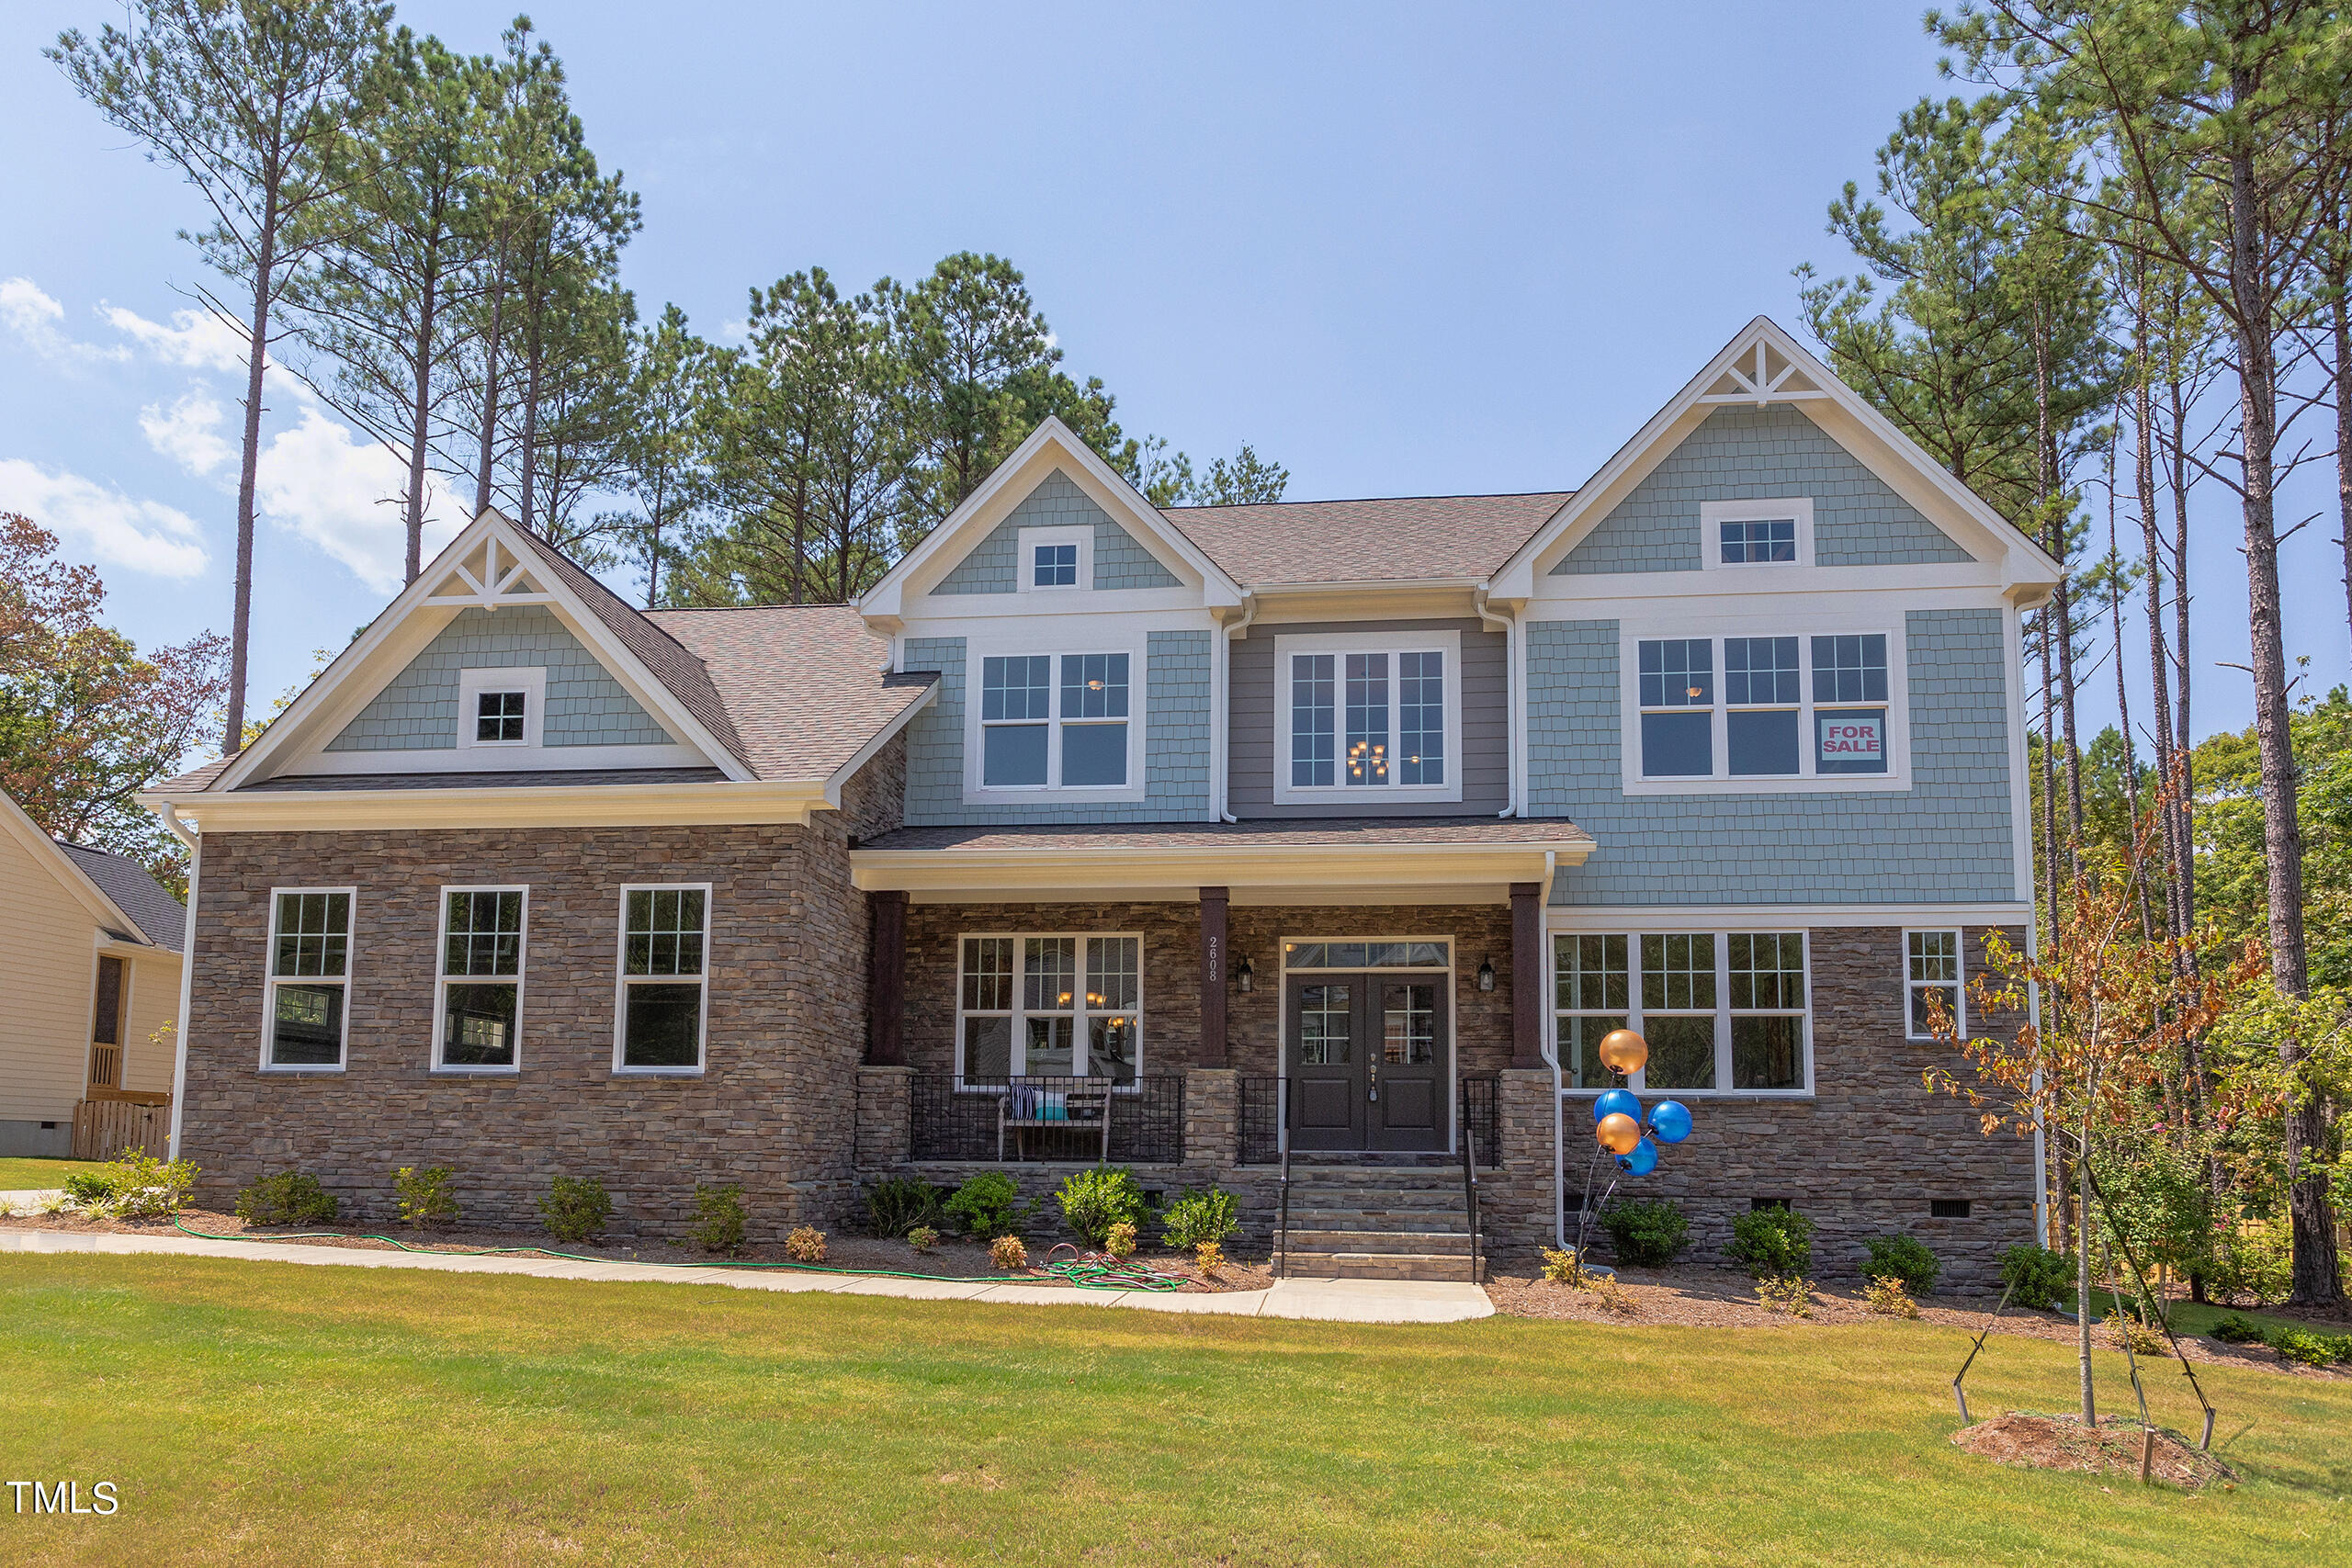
994	566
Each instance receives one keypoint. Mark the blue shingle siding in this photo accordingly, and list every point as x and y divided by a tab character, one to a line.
1742	454
1176	741
993	565
1945	839
585	706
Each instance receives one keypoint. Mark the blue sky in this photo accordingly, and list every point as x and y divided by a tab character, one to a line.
1403	250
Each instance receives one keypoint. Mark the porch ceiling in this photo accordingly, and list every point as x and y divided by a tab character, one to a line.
1287	861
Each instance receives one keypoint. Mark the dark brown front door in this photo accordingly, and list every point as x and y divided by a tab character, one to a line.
1368	1062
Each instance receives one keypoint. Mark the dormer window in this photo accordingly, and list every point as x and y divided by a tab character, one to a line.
498	717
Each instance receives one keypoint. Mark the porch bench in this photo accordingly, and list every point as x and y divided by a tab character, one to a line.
1085	1104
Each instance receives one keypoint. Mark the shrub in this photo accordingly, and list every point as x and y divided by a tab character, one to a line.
990	1206
897	1204
1772	1244
1093	1200
1562	1267
290	1198
87	1189
134	1185
1904	1258
1885	1296
2254	1259
1648	1234
2302	1345
922	1238
1790	1293
1007	1255
1208	1215
2127	1332
1209	1258
805	1245
719	1217
2043	1278
424	1196
575	1208
2238	1329
1614	1296
1121	1241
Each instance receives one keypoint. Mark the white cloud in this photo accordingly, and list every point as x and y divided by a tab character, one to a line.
118	529
197	339
27	310
342	494
188	432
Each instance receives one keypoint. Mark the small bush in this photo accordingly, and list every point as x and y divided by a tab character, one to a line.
1885	1296
2043	1278
1614	1296
1904	1258
1093	1200
805	1245
2238	1329
1007	1255
1195	1217
2125	1331
922	1238
1209	1258
87	1189
134	1185
575	1208
719	1217
897	1204
423	1195
2302	1345
290	1198
990	1206
1121	1242
1772	1244
1562	1267
1790	1293
1647	1234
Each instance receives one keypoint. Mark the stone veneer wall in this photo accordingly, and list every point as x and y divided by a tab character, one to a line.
774	1110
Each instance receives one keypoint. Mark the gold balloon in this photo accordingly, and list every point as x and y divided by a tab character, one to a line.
1618	1132
1625	1051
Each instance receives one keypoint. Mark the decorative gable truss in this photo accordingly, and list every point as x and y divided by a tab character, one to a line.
487	577
1763	377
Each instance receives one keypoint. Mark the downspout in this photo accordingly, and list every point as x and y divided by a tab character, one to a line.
1224	730
170	815
1509	625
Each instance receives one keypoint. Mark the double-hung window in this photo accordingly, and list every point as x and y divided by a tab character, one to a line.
664	982
480	984
1369	716
307	1013
1725	1012
1056	721
1785	708
1931	978
1050	1006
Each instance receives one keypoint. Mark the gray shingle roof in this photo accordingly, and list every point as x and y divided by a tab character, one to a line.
1400	540
160	918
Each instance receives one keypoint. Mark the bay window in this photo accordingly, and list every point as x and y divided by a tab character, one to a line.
1050	1006
1725	1012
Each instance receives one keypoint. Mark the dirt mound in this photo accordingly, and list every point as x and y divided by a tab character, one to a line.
2063	1442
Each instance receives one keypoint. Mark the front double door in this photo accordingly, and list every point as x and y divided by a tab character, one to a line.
1369	1059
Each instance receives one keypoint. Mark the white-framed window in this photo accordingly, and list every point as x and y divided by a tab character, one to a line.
1726	1012
1063	721
1374	717
1050	1006
1747	535
1820	708
1932	967
305	1012
478	1010
1056	558
501	708
662	1008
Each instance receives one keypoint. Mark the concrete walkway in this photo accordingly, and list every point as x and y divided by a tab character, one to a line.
1328	1301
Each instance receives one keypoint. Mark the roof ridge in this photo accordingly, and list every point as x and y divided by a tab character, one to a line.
1361	499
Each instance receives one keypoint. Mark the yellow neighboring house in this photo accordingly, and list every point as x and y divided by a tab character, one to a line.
89	975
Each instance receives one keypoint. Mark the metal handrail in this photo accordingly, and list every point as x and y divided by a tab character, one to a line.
1282	1210
1470	1185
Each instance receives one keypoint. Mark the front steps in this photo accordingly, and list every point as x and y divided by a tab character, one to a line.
1378	1222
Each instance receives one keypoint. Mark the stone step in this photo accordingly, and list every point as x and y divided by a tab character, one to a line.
1433	1191
1380	1266
1378	1239
1361	1217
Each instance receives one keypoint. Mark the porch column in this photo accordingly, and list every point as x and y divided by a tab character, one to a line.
1526	974
1213	911
886	982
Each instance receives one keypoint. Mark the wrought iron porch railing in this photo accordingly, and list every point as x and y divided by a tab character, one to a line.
1481	1101
953	1118
1262	1120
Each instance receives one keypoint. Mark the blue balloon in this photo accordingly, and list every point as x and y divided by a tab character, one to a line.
1642	1161
1614	1101
1670	1120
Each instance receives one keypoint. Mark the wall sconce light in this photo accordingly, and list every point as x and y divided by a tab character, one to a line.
1486	973
1245	979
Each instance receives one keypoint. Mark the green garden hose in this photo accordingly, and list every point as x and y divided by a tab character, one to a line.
1086	1274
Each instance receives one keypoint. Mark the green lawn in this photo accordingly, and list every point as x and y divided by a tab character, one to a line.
19	1174
262	1413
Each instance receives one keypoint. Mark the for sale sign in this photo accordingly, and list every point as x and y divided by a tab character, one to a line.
1851	741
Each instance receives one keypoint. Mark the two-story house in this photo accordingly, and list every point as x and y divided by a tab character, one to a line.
1341	830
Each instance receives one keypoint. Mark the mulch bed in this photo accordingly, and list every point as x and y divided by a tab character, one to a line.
1721	1298
2063	1442
951	1260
